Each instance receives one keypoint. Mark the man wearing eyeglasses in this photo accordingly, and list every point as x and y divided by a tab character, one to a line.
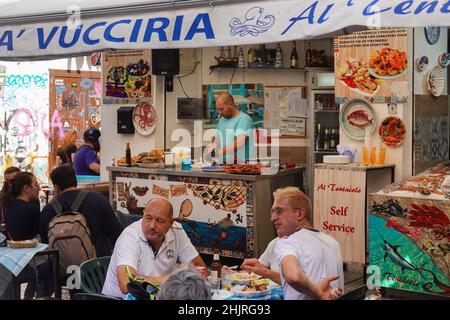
150	248
307	263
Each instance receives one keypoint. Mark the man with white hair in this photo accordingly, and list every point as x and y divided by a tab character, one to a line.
306	262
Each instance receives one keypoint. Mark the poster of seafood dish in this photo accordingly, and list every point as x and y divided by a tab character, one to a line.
126	76
213	216
372	65
409	233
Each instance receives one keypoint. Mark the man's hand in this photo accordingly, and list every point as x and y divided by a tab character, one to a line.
327	291
253	265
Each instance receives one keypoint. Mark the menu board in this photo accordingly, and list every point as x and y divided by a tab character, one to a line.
339	209
126	76
372	65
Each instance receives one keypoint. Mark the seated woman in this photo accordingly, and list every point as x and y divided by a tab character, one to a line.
20	207
21	211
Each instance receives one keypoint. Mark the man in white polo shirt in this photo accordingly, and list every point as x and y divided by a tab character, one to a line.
310	261
151	248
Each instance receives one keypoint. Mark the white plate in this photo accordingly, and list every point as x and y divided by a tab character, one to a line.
237	290
144	118
436	81
243	277
151	165
221	294
364	93
376	75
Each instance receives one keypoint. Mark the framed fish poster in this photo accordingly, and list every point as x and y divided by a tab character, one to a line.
409	234
127	76
372	65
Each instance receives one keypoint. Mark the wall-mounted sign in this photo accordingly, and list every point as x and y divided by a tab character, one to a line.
372	65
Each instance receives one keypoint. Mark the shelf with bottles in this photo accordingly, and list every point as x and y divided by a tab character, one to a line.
326	151
212	68
324	110
325	139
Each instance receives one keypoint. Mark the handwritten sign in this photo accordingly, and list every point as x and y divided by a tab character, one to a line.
339	209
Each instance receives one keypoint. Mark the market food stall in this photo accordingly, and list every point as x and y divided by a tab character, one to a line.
220	211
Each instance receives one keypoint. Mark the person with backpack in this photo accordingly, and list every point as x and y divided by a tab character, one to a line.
80	224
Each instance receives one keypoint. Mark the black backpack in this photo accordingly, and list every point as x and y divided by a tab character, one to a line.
68	232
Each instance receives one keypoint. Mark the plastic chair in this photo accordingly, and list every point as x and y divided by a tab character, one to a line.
93	274
93	296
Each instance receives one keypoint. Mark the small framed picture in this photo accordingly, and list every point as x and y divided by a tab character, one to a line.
293	126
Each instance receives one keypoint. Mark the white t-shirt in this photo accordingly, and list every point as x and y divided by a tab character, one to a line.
319	256
132	249
268	258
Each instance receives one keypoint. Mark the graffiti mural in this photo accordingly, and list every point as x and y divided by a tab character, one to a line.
24	123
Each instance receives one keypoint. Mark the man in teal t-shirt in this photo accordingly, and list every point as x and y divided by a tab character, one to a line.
234	132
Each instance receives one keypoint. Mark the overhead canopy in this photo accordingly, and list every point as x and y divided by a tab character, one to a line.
30	32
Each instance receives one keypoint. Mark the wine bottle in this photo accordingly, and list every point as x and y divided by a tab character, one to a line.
318	138
216	267
294	56
128	155
241	63
279	57
326	140
250	57
333	139
308	55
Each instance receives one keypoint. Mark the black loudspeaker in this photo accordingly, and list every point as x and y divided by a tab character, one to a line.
165	62
125	120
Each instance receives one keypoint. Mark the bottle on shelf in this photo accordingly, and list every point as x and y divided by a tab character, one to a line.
261	55
221	54
278	57
251	57
294	56
241	63
308	55
3	234
128	155
228	58
333	139
326	140
216	267
318	141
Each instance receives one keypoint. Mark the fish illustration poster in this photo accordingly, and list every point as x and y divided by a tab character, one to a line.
409	244
213	216
372	65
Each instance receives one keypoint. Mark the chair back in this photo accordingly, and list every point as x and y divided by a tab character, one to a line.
93	274
93	296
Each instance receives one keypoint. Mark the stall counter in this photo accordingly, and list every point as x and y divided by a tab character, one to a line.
223	212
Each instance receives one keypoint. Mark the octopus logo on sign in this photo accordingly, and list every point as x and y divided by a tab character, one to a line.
254	23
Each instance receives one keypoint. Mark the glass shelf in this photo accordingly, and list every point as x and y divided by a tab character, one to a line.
326	151
332	111
212	68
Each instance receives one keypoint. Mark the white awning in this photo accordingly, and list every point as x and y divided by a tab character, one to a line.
108	24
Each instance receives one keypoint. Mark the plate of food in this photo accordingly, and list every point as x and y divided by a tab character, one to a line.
144	118
247	169
392	131
356	76
22	244
355	116
388	64
242	277
255	288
